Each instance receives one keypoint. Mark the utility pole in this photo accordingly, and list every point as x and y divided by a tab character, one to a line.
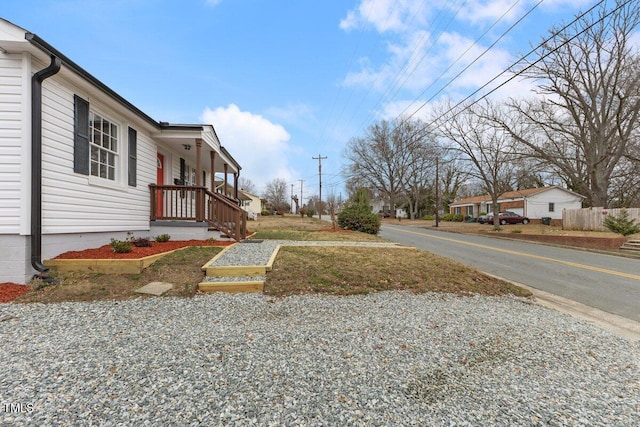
437	195
320	158
291	204
301	199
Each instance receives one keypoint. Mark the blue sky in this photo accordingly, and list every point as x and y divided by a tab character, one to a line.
283	81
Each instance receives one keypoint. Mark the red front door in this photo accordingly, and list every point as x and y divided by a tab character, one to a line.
160	181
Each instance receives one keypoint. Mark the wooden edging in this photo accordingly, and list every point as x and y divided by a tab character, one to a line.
110	266
232	287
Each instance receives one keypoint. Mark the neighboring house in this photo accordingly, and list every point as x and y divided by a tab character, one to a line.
80	165
533	203
382	208
252	204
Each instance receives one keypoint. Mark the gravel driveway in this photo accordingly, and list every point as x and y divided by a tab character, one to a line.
383	359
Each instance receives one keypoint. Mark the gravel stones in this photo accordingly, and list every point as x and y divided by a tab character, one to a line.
391	358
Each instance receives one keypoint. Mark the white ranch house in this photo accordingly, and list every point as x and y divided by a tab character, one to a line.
534	203
80	165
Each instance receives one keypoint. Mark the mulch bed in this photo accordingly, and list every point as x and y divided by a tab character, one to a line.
9	291
106	251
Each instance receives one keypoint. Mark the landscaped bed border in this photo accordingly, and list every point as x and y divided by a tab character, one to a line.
109	266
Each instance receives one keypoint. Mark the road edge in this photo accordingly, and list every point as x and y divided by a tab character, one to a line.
618	325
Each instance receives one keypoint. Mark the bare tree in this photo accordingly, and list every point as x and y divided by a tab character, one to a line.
276	194
583	123
452	176
383	159
488	148
247	185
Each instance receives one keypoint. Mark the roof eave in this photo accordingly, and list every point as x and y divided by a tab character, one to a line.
45	47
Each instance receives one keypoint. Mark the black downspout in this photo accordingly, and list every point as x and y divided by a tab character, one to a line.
36	161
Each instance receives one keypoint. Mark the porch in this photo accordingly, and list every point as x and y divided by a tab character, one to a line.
200	205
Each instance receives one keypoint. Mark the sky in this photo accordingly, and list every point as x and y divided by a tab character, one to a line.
284	81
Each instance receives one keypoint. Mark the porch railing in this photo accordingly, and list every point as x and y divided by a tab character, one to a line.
190	203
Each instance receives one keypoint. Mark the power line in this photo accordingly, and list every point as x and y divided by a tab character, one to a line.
520	72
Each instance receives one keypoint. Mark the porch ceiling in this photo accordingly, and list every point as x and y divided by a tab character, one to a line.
183	141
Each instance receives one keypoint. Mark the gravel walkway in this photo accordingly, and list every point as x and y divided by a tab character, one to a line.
383	359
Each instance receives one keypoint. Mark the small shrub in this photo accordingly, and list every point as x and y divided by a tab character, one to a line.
358	218
310	212
162	238
428	217
265	212
516	230
120	246
142	242
622	224
497	228
453	217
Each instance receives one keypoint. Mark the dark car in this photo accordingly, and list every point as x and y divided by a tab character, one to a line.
506	217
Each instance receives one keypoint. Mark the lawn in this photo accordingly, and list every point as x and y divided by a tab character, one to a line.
333	270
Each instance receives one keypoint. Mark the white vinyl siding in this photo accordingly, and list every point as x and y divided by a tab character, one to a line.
75	203
11	113
538	204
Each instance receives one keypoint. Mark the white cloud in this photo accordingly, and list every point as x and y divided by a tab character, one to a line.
213	2
384	15
260	146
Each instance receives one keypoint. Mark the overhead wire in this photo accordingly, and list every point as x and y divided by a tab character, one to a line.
507	31
522	71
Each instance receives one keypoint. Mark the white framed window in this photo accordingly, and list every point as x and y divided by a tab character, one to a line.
104	142
552	207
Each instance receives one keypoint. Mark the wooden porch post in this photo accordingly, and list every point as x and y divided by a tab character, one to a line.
235	184
199	192
198	162
226	167
213	171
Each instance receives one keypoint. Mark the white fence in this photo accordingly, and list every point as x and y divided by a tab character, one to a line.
593	218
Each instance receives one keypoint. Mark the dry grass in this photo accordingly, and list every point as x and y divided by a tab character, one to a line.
297	270
181	268
293	227
475	228
362	270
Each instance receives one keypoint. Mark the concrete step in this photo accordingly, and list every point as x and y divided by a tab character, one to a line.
631	245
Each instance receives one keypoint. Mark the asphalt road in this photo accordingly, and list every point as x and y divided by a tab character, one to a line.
605	282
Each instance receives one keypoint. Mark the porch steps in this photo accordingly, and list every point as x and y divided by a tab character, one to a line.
631	245
222	274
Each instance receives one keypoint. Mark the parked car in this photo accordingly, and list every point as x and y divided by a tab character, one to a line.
506	217
482	219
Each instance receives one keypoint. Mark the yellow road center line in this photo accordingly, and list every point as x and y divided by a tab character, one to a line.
523	254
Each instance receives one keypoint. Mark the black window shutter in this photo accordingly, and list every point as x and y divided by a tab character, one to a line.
133	156
183	166
81	136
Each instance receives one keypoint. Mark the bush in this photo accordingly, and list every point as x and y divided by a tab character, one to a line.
265	213
428	217
163	238
359	218
453	217
120	246
142	242
622	224
310	212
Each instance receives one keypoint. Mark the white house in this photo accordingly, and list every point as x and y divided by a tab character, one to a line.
534	203
251	203
80	165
